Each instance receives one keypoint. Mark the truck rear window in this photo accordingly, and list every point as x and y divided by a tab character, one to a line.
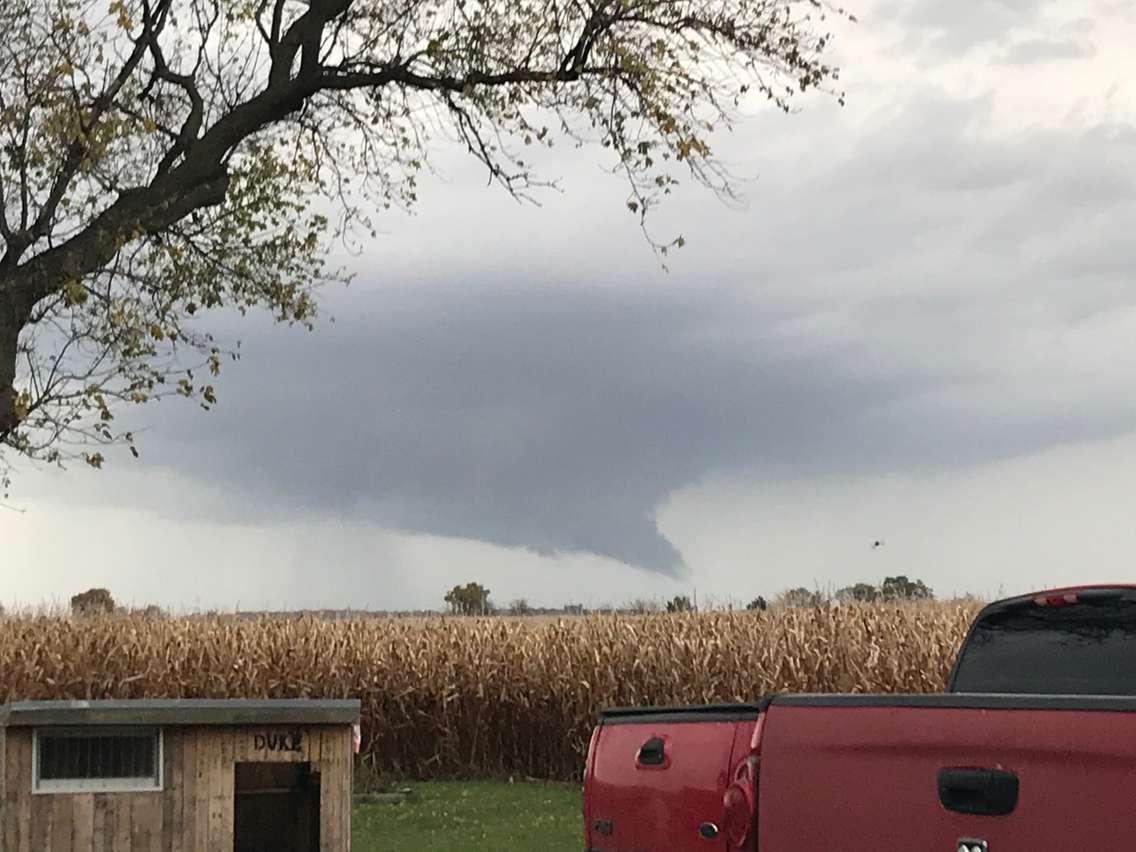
1084	648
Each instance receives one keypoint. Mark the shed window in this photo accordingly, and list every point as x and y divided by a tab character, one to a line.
97	759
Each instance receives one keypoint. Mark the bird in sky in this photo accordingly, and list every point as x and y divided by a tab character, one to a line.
877	544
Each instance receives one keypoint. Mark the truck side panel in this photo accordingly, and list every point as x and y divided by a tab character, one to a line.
839	777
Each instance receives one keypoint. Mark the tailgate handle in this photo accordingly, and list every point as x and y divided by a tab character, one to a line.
985	792
652	753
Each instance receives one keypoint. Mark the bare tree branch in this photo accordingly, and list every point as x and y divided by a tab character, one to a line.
161	160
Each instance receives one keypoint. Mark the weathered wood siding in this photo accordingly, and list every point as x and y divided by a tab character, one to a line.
192	813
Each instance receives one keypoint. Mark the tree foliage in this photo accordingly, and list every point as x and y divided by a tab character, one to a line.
680	603
859	593
642	606
898	588
92	602
902	589
799	597
470	599
160	159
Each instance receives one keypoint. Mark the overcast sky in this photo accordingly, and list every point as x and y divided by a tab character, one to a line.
918	326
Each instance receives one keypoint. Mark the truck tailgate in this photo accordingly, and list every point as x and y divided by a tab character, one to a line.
864	773
656	776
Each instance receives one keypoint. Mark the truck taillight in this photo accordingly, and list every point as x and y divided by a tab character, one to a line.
589	771
739	806
755	738
739	802
592	748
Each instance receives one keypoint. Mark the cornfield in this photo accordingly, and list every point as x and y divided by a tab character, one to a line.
486	697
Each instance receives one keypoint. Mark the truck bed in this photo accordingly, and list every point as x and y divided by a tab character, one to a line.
848	773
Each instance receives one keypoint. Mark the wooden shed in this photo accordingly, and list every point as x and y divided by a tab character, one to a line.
184	775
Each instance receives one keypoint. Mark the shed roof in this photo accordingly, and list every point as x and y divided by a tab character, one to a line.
182	711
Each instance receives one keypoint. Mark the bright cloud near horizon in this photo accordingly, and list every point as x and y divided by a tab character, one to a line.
919	325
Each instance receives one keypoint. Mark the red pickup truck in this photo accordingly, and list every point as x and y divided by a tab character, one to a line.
1032	747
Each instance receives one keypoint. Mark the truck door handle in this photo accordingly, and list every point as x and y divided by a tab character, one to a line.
985	792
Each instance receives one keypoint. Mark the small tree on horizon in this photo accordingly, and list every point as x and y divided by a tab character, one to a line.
470	599
680	603
900	588
859	593
799	597
642	606
92	602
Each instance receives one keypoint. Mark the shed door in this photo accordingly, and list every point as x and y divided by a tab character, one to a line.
276	808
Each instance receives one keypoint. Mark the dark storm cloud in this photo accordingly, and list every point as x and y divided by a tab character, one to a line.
913	305
551	416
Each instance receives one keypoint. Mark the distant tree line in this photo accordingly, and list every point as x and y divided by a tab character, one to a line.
473	599
891	590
